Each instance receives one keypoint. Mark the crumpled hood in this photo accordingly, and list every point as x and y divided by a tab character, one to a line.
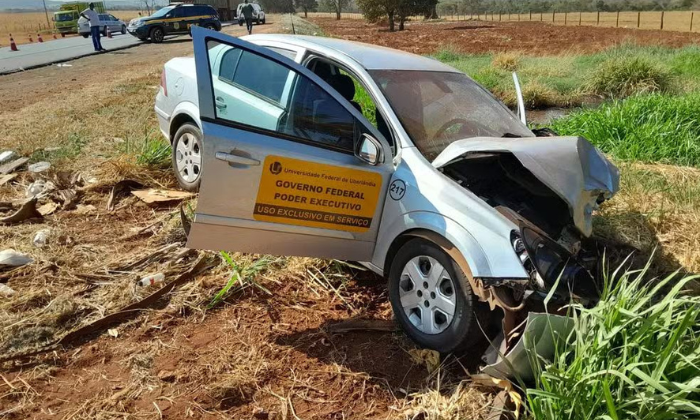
570	166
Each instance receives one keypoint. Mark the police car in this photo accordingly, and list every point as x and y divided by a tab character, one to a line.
174	19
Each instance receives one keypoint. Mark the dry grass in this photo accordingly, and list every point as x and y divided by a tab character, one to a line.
658	208
508	61
462	401
30	23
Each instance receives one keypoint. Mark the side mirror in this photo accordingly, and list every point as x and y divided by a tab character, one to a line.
369	150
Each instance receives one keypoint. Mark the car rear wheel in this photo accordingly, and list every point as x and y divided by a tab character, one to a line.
263	21
187	156
104	31
157	35
123	29
433	300
85	35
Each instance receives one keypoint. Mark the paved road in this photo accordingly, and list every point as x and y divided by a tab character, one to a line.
54	51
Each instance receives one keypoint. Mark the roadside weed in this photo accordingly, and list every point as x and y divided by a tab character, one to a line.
243	275
622	77
634	355
646	128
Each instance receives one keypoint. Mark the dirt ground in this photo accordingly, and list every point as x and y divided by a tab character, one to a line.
483	37
255	355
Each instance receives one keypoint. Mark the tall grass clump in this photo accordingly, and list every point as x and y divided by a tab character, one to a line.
633	356
647	128
620	77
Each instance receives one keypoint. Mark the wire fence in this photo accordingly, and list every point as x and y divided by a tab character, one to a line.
681	21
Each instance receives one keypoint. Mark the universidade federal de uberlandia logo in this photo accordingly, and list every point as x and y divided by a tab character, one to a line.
275	168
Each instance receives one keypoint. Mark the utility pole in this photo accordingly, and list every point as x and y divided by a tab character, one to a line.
46	11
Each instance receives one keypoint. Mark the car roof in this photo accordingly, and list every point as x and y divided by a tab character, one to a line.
371	57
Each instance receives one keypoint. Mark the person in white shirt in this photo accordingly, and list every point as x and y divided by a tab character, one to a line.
91	15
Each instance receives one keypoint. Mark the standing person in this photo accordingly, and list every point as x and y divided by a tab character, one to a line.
91	15
247	11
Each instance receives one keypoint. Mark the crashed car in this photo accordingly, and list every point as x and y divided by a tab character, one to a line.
435	184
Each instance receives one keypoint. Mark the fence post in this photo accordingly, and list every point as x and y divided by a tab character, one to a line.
518	17
553	12
617	22
692	15
541	16
500	16
579	18
662	20
566	17
597	20
639	18
530	15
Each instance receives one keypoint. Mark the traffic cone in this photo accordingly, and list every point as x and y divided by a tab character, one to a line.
109	33
39	38
13	46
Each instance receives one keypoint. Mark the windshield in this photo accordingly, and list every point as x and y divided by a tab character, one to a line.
64	17
437	108
162	12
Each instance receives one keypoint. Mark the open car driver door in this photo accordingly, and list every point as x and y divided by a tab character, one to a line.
290	166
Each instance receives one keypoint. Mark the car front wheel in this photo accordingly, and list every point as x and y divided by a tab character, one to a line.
187	156
157	35
123	30
433	300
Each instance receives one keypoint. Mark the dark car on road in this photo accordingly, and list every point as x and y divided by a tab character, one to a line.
176	19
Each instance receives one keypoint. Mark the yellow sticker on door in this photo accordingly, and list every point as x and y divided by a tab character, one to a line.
298	192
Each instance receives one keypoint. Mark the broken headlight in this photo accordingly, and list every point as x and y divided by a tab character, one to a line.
550	265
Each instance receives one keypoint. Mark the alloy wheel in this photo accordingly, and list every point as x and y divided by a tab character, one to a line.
427	295
188	157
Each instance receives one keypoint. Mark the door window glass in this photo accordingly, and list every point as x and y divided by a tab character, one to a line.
178	12
287	53
259	92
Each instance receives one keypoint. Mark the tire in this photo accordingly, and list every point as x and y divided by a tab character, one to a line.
457	333
85	35
257	21
210	27
187	144
123	29
104	31
157	35
240	23
263	21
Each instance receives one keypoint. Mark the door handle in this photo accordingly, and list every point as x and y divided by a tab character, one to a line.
220	102
233	158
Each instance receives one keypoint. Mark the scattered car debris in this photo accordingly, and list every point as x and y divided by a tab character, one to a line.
39	167
11	166
152	279
48	208
155	196
6	290
120	189
26	212
41	238
4	179
7	156
12	258
541	333
39	187
69	197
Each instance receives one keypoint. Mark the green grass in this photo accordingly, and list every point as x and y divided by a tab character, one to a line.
645	128
149	149
634	355
70	148
570	77
620	78
244	273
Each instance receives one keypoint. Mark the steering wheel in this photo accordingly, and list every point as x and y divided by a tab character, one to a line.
467	129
